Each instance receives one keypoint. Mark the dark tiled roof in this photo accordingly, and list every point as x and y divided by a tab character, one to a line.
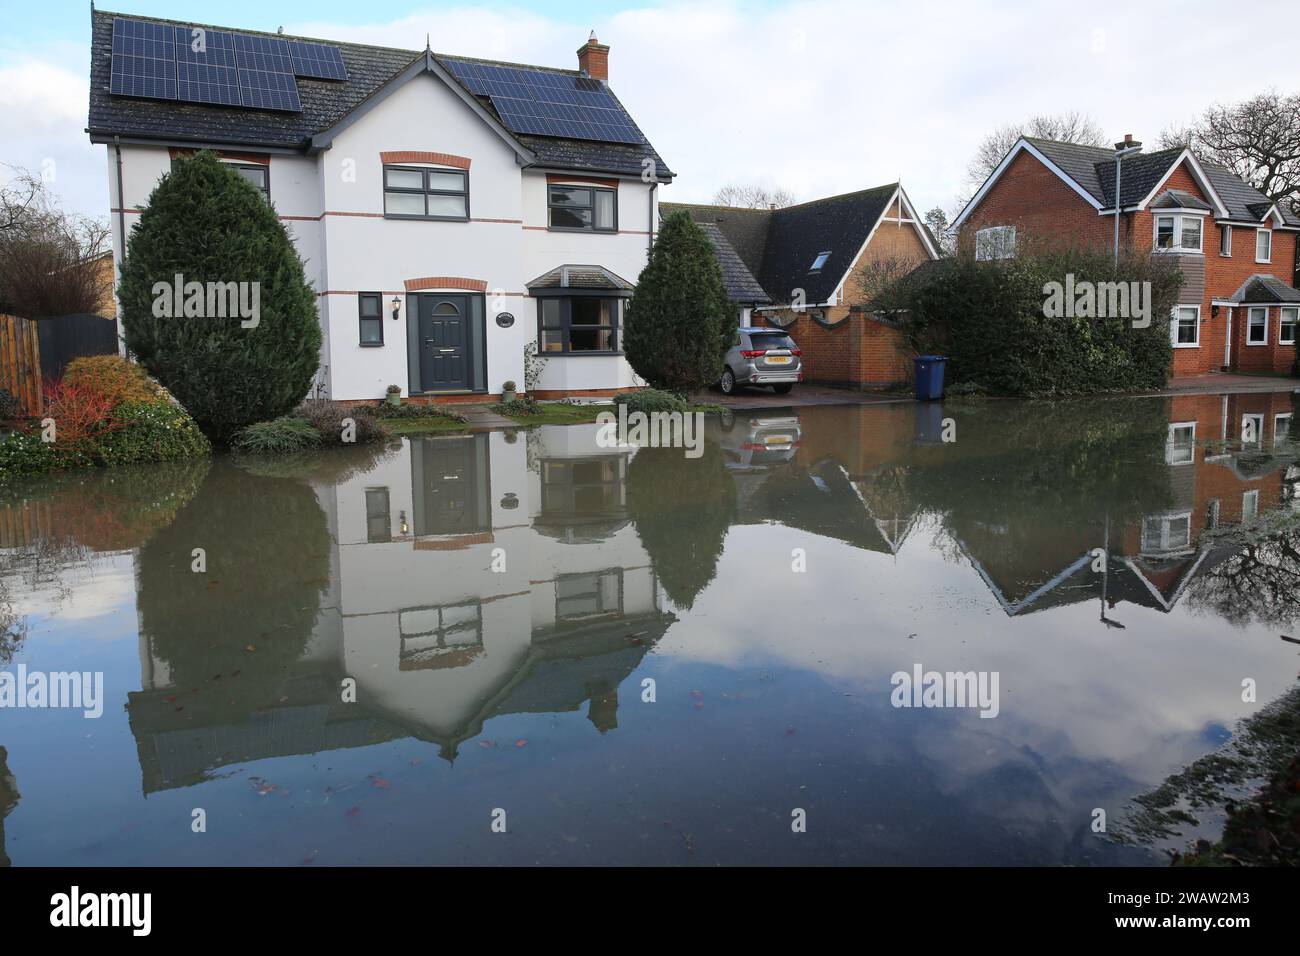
745	229
1239	196
779	246
1262	289
1093	168
798	234
1178	199
324	103
580	277
740	283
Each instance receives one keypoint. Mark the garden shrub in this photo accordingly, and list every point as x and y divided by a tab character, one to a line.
382	410
523	405
113	377
679	322
23	453
152	431
327	418
650	400
988	318
209	225
284	434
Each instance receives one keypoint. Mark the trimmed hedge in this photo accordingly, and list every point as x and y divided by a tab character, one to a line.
650	400
989	319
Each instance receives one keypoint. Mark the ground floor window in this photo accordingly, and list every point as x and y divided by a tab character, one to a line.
1257	326
1162	534
1287	324
370	318
1249	505
579	324
1281	427
1180	446
1186	331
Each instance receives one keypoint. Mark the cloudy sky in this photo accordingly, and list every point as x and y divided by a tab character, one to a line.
816	97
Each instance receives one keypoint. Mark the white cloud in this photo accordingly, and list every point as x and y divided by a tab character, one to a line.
819	97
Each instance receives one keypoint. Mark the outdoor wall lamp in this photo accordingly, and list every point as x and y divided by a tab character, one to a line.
402	525
397	307
1214	311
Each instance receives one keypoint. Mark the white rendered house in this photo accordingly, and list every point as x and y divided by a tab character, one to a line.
451	212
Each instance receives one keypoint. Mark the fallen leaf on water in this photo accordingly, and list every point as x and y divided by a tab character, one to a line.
487	743
521	742
379	783
250	648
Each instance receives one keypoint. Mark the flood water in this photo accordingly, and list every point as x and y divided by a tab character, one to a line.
632	656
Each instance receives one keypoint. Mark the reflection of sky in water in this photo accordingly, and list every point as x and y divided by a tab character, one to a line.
522	689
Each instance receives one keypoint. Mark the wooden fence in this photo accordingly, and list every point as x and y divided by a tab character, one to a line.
20	363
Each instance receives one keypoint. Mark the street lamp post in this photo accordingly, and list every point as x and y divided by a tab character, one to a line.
1127	147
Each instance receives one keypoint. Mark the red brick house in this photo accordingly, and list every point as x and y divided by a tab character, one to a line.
1239	309
797	268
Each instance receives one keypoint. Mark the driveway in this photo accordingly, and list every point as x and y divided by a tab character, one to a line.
801	395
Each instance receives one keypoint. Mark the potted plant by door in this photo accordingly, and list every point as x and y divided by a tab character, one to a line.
394	394
509	392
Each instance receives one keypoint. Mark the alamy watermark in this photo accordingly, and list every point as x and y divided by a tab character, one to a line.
179	299
652	430
922	688
71	690
1085	299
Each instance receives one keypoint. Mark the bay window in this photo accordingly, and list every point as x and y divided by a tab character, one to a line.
1286	325
578	324
1257	326
1179	233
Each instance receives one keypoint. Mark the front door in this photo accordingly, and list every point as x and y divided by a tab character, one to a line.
444	342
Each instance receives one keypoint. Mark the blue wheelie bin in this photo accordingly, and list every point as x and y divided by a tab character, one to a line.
929	377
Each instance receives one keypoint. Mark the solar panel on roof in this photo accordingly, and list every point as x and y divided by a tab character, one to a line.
265	72
205	67
317	61
144	60
546	103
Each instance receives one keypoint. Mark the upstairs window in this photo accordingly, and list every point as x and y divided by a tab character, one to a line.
820	261
995	242
414	192
256	174
1263	245
1181	233
589	208
1225	241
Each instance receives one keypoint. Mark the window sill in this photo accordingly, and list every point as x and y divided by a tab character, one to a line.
394	215
578	354
594	232
1263	262
1257	343
1179	251
1187	345
371	345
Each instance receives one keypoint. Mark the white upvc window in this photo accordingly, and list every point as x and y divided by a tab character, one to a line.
1165	534
1180	232
1263	245
995	242
1225	241
1185	327
1257	325
1180	445
1252	429
1249	505
1289	317
1281	427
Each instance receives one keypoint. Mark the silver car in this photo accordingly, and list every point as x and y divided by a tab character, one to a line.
762	356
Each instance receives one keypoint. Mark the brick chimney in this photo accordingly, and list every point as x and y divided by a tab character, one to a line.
1128	143
593	58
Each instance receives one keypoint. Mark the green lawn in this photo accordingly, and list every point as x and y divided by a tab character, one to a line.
422	426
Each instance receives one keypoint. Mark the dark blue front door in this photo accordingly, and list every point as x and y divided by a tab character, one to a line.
444	342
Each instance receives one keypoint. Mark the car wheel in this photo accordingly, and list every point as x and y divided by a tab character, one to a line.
728	383
783	389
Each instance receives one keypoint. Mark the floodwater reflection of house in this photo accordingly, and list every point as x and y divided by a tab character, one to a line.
471	576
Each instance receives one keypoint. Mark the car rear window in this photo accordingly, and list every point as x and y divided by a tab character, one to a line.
771	340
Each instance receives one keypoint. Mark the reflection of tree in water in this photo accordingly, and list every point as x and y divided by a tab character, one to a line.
250	615
65	520
1260	581
682	508
8	800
